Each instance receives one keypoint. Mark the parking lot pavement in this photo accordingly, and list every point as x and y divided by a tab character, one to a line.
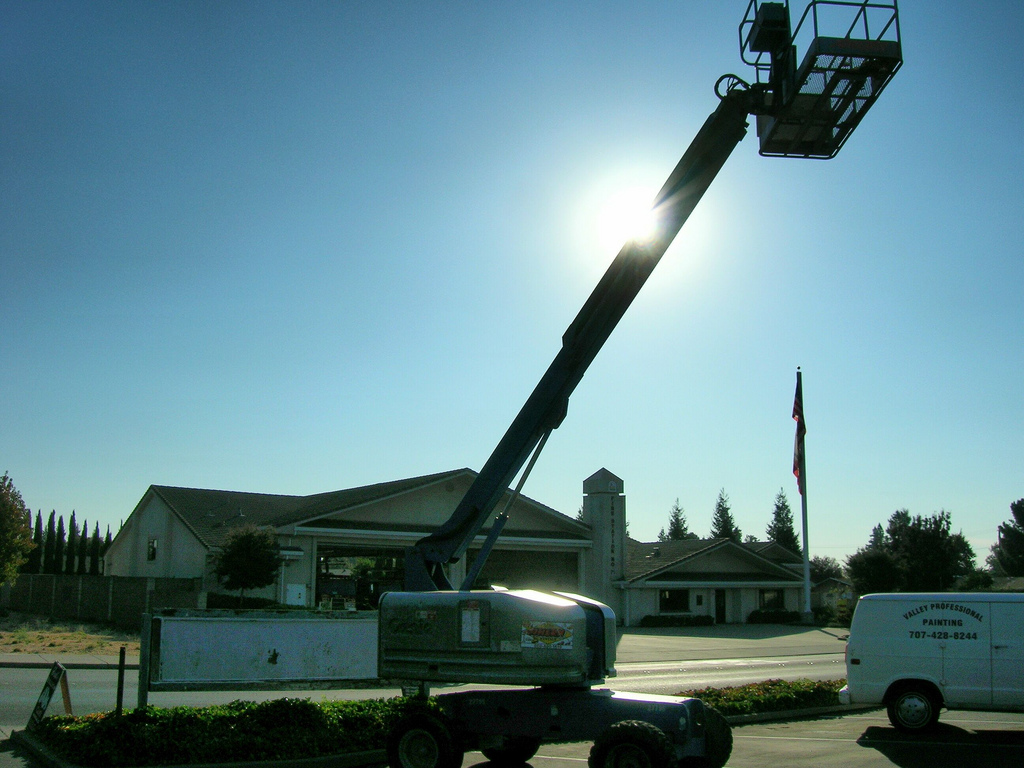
974	739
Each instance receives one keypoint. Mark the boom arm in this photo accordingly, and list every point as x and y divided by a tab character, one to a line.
546	407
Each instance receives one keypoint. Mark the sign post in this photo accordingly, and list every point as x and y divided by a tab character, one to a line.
58	676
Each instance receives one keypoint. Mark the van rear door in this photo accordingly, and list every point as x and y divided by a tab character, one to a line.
1008	655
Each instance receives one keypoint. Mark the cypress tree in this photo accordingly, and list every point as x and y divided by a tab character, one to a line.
72	546
50	544
83	551
35	557
58	547
94	552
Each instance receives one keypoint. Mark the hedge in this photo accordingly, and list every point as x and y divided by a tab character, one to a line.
240	731
770	696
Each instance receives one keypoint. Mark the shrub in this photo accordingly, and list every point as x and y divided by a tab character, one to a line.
773	617
240	731
676	621
770	696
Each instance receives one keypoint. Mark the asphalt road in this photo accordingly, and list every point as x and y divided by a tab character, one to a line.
962	740
866	740
664	661
95	690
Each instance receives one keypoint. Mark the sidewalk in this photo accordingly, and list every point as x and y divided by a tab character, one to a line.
68	660
635	645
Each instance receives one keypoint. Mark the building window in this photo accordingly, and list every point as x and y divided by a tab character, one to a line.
674	600
771	600
151	550
700	600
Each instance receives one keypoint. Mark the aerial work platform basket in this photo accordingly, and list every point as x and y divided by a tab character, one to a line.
810	110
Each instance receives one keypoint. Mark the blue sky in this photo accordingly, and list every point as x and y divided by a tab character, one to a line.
297	247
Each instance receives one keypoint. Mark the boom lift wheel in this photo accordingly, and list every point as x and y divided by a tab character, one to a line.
717	742
632	744
421	740
515	751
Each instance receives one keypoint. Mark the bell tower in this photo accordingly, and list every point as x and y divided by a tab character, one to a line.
604	510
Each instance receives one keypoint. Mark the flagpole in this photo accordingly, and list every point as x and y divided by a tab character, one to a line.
800	470
808	615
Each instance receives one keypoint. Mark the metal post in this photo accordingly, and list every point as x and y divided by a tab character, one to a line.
808	614
120	682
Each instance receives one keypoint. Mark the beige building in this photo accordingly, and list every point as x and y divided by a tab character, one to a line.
348	546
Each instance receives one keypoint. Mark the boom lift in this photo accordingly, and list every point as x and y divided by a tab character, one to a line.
563	645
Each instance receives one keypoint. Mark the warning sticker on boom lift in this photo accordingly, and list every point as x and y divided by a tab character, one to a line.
547	634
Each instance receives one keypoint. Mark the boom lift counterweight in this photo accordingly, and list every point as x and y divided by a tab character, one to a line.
564	644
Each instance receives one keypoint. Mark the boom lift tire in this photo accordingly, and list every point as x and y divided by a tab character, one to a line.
421	740
717	742
515	751
632	744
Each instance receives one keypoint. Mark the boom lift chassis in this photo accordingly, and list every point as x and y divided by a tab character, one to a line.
563	645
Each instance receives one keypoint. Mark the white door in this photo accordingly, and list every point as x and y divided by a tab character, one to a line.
295	594
1008	655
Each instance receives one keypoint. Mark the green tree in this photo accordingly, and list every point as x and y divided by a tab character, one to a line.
248	559
58	547
916	554
35	557
50	544
825	568
94	552
1008	551
72	546
780	529
873	569
678	530
83	551
722	524
15	532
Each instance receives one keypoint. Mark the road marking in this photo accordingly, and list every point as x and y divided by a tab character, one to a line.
788	738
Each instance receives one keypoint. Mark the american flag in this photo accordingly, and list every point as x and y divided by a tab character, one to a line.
801	430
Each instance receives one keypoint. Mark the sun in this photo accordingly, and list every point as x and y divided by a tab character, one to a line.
626	214
615	209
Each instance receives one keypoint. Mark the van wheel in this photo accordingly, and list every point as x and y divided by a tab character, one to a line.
913	709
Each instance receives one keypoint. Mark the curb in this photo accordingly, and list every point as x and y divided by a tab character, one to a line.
374	757
798	714
68	665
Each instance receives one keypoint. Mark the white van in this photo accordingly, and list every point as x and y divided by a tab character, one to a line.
917	653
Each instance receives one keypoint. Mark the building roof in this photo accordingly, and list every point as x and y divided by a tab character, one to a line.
211	514
647	560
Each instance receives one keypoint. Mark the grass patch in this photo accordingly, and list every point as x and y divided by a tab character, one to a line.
770	696
27	633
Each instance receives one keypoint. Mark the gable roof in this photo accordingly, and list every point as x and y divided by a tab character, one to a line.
646	561
774	551
211	514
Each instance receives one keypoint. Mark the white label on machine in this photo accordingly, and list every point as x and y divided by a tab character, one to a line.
471	622
547	634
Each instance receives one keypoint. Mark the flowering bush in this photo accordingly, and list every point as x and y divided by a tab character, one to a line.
770	696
